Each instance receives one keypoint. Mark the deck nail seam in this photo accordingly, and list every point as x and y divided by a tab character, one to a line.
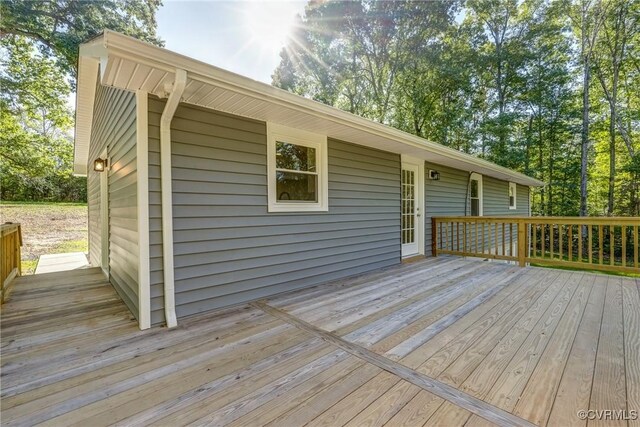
445	391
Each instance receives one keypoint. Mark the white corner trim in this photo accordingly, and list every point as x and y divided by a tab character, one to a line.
478	177
167	197
308	139
142	154
104	215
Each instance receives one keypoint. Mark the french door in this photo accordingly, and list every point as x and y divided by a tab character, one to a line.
412	206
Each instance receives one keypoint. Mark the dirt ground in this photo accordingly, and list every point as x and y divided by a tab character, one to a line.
47	228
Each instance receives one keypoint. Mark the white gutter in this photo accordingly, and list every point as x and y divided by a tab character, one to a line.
167	197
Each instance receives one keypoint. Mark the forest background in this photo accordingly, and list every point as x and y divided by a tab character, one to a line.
548	88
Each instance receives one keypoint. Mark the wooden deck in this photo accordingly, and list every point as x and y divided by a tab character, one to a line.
443	341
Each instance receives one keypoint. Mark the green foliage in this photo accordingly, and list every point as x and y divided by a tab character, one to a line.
59	26
496	78
36	147
39	51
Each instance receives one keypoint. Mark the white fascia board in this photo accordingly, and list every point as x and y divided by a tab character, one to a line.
163	59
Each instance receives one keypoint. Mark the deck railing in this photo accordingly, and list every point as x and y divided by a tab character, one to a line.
594	243
10	258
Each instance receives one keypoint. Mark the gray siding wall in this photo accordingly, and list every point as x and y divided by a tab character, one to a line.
93	208
496	198
114	127
228	249
446	197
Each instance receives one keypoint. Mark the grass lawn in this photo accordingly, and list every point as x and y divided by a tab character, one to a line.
47	228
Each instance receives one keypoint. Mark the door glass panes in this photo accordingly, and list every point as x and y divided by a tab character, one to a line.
408	206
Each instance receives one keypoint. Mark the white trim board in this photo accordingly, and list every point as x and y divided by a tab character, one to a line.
277	133
142	182
104	214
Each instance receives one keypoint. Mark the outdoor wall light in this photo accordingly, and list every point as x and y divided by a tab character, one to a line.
100	165
434	175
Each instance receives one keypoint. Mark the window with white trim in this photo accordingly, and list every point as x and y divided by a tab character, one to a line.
512	195
297	170
475	194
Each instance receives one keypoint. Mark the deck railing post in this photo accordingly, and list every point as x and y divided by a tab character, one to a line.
522	242
434	236
10	257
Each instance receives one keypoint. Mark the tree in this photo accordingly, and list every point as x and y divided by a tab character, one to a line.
35	144
39	46
620	24
59	26
587	18
346	52
545	100
504	79
499	42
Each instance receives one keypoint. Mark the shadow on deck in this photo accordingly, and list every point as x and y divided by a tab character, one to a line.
443	341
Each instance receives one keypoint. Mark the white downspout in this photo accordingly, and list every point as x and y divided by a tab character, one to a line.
167	196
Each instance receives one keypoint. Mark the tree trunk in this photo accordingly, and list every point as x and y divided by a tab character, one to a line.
541	169
612	159
584	163
550	205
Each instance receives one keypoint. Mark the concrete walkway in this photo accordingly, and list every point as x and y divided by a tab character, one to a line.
61	262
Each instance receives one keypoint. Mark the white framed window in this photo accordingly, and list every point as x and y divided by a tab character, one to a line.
475	194
297	170
512	195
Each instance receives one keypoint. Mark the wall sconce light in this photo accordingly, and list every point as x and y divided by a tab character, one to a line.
100	165
434	175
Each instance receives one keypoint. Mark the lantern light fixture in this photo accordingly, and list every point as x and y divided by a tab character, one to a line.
434	175
100	165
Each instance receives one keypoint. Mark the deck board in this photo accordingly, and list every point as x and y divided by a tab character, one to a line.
609	384
439	341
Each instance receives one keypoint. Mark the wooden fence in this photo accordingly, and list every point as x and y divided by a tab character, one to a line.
595	243
10	258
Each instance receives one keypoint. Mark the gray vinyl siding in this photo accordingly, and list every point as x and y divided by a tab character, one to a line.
228	249
496	198
445	197
114	127
93	209
448	197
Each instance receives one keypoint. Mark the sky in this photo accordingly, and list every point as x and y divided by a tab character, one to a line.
245	37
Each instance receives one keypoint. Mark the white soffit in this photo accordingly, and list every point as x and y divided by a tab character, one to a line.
133	65
85	96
